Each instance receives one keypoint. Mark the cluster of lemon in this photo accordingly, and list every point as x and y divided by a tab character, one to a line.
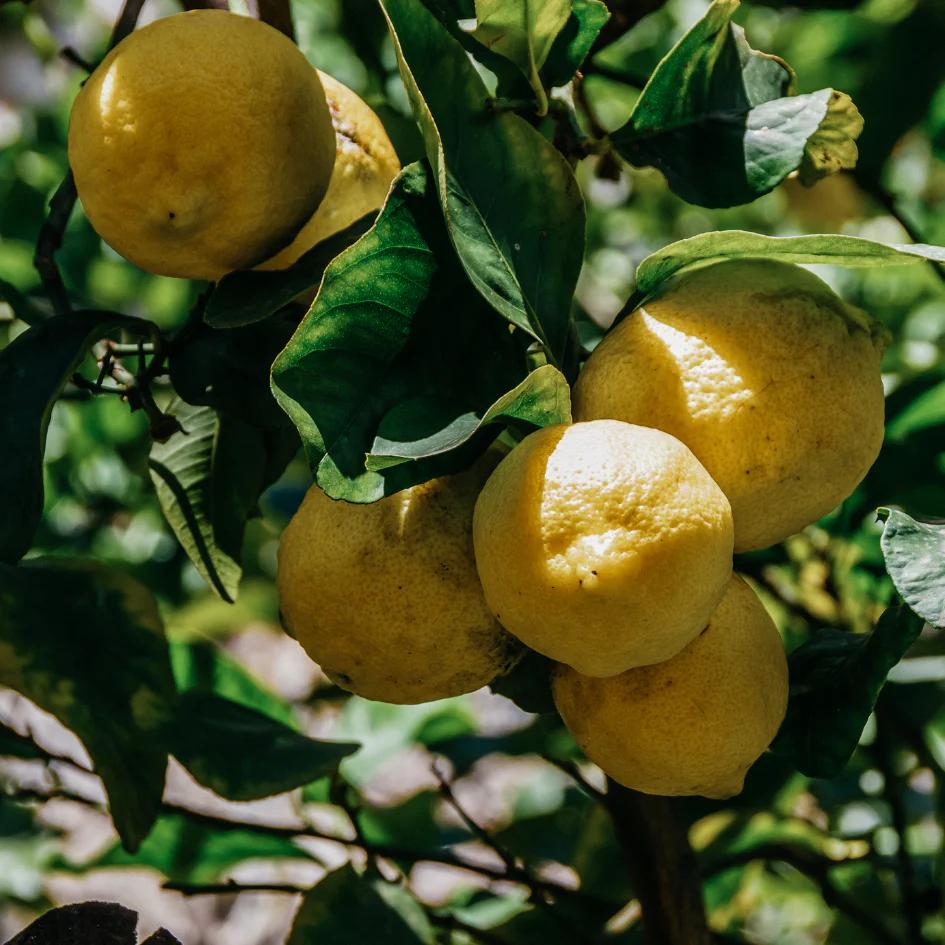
205	142
742	404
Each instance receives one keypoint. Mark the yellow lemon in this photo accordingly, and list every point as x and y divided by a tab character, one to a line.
365	166
696	723
765	374
201	144
602	545
385	597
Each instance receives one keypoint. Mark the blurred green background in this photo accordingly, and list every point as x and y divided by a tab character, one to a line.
841	861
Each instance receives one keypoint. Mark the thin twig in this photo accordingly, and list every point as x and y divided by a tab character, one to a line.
574	773
217	889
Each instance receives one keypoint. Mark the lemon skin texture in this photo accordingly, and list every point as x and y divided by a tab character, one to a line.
696	723
201	144
765	374
602	545
385	597
365	167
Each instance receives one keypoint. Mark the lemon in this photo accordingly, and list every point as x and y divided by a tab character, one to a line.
201	144
365	166
385	597
696	723
602	545
765	374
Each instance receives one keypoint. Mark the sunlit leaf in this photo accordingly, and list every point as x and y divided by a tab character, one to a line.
574	42
720	119
396	372
513	208
832	249
915	559
835	680
86	644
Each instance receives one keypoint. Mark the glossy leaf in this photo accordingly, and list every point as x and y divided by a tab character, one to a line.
835	679
34	368
720	119
574	42
86	644
915	559
524	32
208	477
348	909
395	372
242	298
832	249
519	232
186	849
244	755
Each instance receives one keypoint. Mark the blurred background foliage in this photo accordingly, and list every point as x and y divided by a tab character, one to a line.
791	861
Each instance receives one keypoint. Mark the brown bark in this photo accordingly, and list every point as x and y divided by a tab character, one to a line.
662	866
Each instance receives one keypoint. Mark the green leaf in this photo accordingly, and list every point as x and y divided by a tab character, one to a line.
720	120
86	644
574	42
34	368
243	755
348	909
825	249
228	369
104	923
920	413
15	745
188	850
915	559
524	32
206	667
241	298
528	683
513	208
208	477
836	678
398	368
24	308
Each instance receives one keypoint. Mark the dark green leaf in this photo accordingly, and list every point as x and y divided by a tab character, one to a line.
826	249
34	368
528	683
348	909
523	31
398	367
228	369
101	923
208	477
720	121
15	745
188	850
574	42
915	559
513	208
87	645
206	667
161	937
241	298
24	308
926	410
243	755
836	678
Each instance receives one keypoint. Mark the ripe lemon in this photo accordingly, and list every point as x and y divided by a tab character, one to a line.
365	166
602	545
768	377
696	723
201	144
385	597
